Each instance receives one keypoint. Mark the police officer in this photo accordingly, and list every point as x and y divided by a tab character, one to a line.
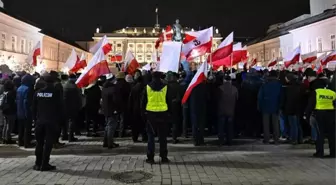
321	106
47	110
155	110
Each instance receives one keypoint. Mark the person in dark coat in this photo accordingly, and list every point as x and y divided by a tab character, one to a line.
72	105
8	108
155	109
24	99
269	105
92	106
138	124
291	107
123	89
198	113
227	96
109	100
174	99
184	83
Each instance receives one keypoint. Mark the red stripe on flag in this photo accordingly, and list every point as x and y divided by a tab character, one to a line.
309	60
93	74
37	52
107	48
295	60
222	52
199	50
199	80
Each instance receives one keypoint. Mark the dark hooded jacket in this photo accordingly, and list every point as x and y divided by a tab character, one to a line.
123	91
24	97
134	102
93	95
109	99
72	98
291	99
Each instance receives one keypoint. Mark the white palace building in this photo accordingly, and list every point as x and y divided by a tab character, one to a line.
314	32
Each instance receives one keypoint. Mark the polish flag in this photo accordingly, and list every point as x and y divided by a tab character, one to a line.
97	67
329	58
200	45
224	49
293	57
32	56
167	35
131	64
239	54
72	62
116	58
309	57
191	35
102	44
199	77
273	62
254	62
82	61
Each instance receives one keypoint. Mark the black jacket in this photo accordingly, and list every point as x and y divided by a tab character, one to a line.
72	99
291	99
10	103
226	96
47	107
134	101
174	97
109	97
123	90
93	96
198	100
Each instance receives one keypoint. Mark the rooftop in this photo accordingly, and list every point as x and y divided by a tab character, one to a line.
283	29
144	32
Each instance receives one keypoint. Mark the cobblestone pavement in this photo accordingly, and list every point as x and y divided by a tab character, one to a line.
85	162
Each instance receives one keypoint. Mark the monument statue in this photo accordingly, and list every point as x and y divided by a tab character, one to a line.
178	35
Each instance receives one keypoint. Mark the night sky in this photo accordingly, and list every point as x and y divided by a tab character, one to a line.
78	19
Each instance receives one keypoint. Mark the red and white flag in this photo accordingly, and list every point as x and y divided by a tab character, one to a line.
309	57
200	45
293	57
190	35
116	58
166	35
97	67
102	44
131	64
82	61
320	69
253	63
199	77
329	58
32	56
273	62
239	54
224	49
72	63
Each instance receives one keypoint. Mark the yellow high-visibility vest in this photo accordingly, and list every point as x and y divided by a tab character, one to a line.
325	99
156	100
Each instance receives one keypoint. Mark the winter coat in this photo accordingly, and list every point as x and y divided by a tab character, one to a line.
93	96
134	101
227	96
269	96
291	99
24	97
123	91
174	97
10	103
109	99
72	99
198	100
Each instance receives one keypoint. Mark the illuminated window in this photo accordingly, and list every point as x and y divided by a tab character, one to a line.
319	45
118	45
22	46
3	41
13	43
333	42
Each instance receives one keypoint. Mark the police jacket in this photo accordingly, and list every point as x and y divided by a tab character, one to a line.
47	107
321	99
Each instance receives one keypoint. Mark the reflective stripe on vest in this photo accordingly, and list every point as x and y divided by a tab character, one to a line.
325	99
156	100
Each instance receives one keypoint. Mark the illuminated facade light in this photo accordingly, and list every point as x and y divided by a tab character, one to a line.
97	30
217	31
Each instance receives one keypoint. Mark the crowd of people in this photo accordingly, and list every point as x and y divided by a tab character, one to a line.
286	106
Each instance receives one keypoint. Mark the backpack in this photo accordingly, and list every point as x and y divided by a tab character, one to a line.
3	101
